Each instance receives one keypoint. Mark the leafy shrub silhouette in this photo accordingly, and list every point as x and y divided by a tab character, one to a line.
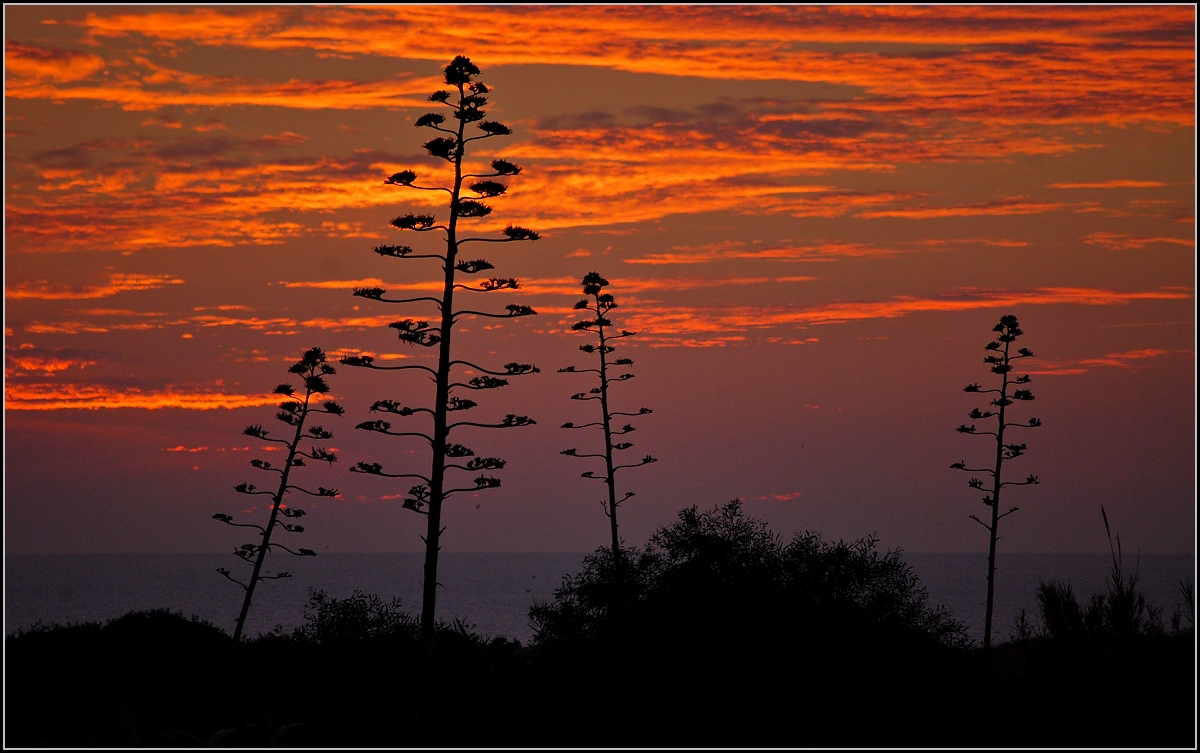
358	617
1120	612
1061	613
1186	609
720	574
142	679
720	616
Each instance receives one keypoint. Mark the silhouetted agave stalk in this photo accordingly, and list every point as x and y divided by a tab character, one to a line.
466	107
1000	359
599	305
294	412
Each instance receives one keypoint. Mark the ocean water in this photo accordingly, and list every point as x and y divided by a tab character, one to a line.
490	591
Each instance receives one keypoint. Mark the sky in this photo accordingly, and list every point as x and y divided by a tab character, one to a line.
812	217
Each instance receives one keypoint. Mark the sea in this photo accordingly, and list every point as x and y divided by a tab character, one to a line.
492	592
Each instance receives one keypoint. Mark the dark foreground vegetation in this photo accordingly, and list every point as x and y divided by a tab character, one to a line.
718	633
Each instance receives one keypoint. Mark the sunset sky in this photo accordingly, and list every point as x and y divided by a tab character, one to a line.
812	217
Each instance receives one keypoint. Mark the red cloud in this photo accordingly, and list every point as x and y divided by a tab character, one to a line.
63	396
117	283
48	64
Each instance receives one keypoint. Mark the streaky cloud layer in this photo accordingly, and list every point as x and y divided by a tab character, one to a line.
48	396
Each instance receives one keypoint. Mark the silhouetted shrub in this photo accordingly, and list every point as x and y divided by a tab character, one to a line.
1120	612
718	611
1062	616
720	575
146	678
358	617
1186	609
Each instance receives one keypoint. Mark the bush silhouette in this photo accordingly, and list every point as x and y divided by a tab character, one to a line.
359	617
720	618
143	679
716	575
1120	612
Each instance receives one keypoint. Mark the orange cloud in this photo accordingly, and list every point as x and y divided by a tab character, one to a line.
573	179
663	325
1124	242
1010	205
66	328
1109	64
64	396
1115	183
1000	242
903	86
777	497
24	61
150	320
181	448
164	122
28	359
143	85
211	124
818	251
564	286
245	200
117	283
252	322
1125	360
661	322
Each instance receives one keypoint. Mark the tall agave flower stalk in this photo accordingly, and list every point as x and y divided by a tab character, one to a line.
1000	358
599	304
293	411
448	459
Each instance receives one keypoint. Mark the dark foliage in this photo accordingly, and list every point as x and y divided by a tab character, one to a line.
748	640
1120	613
143	679
348	677
359	617
721	613
714	574
343	679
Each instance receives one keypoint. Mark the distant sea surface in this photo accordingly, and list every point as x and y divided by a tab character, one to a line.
490	591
